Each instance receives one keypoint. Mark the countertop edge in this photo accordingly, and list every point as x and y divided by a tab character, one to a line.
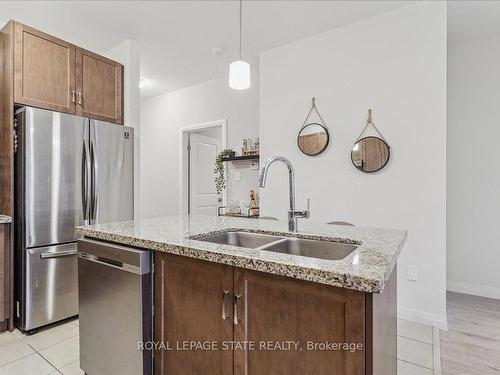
327	277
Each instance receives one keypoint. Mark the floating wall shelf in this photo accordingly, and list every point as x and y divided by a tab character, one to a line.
242	158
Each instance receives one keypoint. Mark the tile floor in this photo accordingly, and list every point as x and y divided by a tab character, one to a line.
55	350
50	351
417	354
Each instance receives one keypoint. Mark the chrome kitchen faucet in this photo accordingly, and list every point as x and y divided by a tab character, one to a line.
292	214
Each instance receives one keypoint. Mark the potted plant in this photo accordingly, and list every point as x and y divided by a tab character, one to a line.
220	179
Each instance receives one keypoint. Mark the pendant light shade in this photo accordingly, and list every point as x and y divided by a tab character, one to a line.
239	75
239	70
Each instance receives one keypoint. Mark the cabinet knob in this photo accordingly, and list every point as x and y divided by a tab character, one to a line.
73	96
80	100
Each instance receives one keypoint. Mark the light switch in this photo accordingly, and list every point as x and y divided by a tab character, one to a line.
237	176
412	272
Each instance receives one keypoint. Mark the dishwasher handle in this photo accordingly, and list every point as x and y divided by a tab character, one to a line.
110	263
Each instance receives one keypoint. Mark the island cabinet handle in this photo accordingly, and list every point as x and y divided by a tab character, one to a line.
225	315
237	297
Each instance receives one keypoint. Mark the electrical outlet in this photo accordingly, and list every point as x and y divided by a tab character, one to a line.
254	165
237	176
412	273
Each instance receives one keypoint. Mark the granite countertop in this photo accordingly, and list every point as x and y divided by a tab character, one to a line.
366	269
4	219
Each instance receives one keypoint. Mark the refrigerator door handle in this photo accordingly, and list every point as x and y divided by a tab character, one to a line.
85	182
93	190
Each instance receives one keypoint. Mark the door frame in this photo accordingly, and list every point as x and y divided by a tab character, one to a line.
183	165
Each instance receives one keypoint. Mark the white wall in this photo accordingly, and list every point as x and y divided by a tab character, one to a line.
396	64
161	118
128	54
474	168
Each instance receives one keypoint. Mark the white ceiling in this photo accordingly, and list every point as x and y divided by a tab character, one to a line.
472	20
176	37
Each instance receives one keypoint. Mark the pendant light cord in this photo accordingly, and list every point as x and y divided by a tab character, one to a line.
241	13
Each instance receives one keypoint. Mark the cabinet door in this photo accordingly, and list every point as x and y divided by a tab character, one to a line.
3	274
99	83
44	70
277	313
189	302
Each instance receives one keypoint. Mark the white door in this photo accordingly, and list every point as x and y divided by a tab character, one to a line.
203	198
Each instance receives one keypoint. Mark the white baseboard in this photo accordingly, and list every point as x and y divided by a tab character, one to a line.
474	289
423	317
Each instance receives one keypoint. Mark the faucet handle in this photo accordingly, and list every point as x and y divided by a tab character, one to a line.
302	214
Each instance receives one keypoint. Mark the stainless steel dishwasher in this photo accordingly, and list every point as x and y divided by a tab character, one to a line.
115	296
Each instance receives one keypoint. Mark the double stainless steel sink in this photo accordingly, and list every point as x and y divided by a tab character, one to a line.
320	249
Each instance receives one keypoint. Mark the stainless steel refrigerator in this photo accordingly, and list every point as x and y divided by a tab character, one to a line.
69	171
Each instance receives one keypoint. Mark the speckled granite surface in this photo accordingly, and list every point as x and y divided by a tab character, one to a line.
4	219
366	269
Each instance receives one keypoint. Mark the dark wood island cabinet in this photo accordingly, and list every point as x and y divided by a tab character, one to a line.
257	323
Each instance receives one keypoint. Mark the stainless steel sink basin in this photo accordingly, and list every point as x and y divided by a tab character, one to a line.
241	239
311	248
286	245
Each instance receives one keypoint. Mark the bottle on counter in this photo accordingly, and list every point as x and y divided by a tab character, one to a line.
244	147
252	205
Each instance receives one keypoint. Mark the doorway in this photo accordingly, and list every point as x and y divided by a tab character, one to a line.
200	145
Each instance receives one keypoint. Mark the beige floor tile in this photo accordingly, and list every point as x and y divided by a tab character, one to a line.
33	364
12	348
406	368
51	336
416	352
415	331
62	354
72	369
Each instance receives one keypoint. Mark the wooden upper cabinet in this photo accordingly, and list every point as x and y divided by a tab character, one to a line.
44	70
52	74
99	83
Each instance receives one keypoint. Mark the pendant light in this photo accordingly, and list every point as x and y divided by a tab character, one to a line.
239	70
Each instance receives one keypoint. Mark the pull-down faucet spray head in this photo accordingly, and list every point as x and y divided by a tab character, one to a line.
292	214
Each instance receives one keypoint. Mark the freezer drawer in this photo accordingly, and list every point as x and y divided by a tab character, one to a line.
115	309
51	284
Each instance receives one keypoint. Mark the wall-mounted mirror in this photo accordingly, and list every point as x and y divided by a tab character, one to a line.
370	154
313	139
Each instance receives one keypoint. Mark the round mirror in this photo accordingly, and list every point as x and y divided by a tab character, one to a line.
370	154
313	139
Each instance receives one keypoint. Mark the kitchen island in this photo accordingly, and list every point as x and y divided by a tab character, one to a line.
226	309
